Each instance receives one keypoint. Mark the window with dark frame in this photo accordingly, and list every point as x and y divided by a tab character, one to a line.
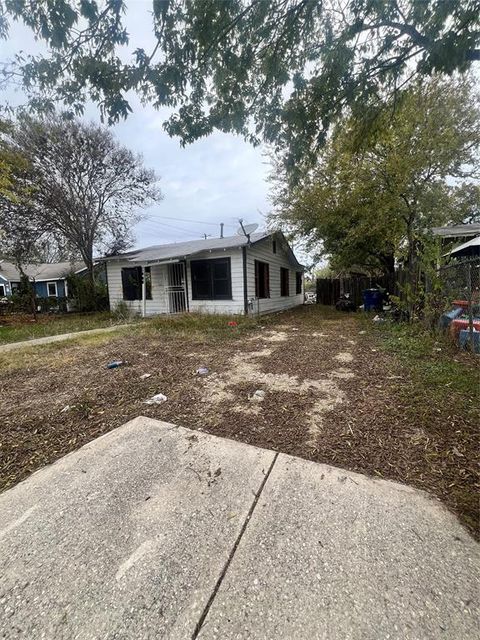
262	279
132	283
211	279
274	246
2	291
284	282
299	282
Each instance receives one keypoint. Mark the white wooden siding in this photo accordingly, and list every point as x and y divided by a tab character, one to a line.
159	301
263	251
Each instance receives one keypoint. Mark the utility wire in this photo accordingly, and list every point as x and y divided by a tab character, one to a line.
214	224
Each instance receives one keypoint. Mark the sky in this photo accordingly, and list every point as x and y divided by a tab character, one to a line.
217	179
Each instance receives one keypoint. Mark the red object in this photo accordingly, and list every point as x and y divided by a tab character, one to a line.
463	304
232	323
457	325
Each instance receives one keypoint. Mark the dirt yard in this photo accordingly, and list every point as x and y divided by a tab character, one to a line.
331	393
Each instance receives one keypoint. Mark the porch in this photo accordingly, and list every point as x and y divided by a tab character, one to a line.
153	288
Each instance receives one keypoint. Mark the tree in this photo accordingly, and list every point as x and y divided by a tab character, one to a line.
86	187
281	70
21	230
373	203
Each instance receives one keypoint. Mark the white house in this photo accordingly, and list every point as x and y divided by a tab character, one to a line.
236	275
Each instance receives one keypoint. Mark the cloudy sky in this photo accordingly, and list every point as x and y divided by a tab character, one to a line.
217	179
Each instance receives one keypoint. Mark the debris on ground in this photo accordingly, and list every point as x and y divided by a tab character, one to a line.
257	396
144	376
115	364
203	371
158	398
368	415
378	319
65	408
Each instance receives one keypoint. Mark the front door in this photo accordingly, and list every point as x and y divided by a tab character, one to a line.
176	288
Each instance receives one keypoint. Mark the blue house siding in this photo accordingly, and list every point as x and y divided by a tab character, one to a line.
42	291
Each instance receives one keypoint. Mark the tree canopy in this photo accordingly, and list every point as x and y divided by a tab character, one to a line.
78	183
371	204
277	70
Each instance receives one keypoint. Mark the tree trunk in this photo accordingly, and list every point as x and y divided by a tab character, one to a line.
30	291
87	255
412	283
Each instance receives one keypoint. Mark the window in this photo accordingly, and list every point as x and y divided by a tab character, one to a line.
132	283
2	291
274	246
299	280
52	290
284	288
262	279
211	279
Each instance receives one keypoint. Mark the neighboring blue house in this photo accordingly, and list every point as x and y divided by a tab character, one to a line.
49	279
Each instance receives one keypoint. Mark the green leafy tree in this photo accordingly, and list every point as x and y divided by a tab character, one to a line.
373	205
281	70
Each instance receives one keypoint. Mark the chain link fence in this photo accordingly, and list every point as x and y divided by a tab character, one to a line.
459	286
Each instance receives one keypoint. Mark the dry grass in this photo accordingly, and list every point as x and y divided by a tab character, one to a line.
336	391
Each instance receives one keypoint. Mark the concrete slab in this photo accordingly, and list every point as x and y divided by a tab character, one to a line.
125	538
154	531
331	554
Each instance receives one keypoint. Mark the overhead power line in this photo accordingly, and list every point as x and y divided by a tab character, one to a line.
214	224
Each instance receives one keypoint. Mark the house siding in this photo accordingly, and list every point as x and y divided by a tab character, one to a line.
158	303
42	291
263	251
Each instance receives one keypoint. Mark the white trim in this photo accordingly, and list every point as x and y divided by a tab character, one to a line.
144	293
49	295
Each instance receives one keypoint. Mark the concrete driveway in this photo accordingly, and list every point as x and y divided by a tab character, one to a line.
155	531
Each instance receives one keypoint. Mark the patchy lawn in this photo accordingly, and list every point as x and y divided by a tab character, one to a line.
382	401
19	326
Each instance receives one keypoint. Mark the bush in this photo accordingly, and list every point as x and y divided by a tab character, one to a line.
122	311
85	299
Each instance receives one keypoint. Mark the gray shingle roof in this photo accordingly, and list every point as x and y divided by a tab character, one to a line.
457	230
45	271
188	248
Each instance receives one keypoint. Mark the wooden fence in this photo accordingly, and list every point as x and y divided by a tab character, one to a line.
330	289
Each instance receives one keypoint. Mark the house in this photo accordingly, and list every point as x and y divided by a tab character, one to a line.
449	237
235	275
470	249
49	279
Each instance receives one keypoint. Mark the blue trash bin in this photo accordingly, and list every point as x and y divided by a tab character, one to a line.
464	340
372	300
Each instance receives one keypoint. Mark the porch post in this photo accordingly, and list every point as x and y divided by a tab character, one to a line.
144	293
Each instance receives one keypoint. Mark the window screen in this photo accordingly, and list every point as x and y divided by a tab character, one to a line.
262	279
132	283
284	284
211	279
299	282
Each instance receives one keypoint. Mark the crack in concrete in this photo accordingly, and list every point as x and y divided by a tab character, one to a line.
231	555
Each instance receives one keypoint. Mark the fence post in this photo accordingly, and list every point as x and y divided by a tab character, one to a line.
470	306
